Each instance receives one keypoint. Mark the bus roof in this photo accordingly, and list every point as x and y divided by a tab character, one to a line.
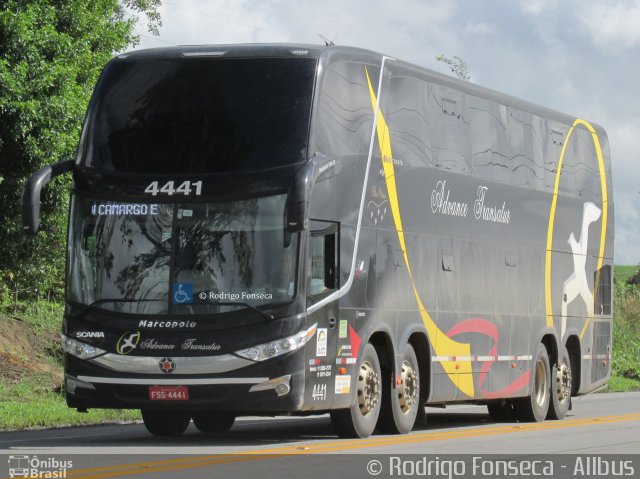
330	54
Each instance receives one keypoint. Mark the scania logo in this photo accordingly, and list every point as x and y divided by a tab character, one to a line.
167	365
89	334
128	342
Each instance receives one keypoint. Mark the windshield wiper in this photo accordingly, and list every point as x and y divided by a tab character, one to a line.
98	302
264	314
92	306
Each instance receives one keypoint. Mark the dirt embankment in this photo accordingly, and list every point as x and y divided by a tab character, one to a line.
27	352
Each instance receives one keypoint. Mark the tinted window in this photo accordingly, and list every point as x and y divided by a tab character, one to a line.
345	116
324	260
200	115
204	258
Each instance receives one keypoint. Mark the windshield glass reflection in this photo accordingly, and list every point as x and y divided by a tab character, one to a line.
181	259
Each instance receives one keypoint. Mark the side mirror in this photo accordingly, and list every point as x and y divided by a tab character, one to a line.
32	190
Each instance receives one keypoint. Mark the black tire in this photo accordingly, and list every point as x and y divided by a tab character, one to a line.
360	419
421	418
534	407
213	422
501	411
561	386
400	406
165	423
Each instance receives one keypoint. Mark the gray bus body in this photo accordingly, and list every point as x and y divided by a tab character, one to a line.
412	211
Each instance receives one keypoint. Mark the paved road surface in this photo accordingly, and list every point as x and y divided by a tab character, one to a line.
598	425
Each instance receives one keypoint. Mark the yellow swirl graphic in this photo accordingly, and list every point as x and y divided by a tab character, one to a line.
458	371
552	215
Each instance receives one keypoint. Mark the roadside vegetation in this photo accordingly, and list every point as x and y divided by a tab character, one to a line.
31	379
52	52
626	330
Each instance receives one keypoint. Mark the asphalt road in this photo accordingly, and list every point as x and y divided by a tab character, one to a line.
598	425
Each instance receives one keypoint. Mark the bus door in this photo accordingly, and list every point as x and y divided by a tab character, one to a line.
322	280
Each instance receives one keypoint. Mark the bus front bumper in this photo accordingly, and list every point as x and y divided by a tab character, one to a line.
272	386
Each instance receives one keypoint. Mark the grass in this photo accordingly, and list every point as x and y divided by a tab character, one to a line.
44	319
626	330
622	385
623	273
32	402
31	393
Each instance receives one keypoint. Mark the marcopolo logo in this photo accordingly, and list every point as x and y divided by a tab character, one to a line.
145	323
128	342
38	468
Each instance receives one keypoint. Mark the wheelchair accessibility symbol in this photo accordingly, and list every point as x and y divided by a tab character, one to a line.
182	293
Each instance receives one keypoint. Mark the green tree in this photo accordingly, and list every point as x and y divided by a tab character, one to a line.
634	280
51	53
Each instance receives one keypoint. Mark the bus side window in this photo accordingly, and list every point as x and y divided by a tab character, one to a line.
323	252
602	300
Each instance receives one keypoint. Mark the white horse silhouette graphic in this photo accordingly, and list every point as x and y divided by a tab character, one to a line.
576	284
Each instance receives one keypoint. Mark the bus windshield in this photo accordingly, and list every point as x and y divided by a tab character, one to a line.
200	258
199	115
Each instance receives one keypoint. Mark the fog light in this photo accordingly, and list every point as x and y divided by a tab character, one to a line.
73	383
279	385
282	389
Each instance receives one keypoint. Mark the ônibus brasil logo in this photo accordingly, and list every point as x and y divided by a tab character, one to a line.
34	467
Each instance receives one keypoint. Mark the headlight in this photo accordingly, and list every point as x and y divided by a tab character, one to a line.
279	346
80	349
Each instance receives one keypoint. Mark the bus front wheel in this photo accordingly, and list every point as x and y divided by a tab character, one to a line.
165	423
360	419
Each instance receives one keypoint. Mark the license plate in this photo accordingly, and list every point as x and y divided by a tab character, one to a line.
168	393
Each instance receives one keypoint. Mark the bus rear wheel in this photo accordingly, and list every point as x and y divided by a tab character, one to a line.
213	422
165	423
534	407
360	419
561	384
400	405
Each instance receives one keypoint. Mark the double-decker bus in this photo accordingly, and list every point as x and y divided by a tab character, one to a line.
293	229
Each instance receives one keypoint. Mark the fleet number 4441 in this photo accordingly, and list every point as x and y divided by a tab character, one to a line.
185	188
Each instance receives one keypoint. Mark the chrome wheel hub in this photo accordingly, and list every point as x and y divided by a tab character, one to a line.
368	388
563	381
408	394
541	385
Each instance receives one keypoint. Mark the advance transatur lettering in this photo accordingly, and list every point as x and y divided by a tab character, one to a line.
440	203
